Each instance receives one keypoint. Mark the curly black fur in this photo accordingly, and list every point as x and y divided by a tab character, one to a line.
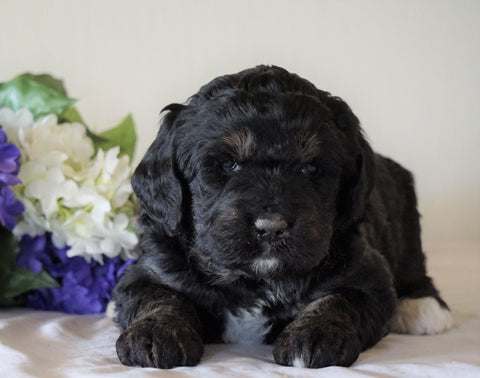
261	199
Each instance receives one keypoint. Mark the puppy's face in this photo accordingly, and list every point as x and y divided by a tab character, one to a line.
263	180
263	187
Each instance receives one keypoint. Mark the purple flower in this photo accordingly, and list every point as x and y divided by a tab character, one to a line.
85	287
9	161
32	254
10	207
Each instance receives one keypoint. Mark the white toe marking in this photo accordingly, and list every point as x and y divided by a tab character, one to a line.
111	310
299	362
421	316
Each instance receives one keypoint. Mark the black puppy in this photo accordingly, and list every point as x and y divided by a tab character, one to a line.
266	217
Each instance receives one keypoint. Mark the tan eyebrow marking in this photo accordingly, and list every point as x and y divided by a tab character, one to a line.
309	145
242	143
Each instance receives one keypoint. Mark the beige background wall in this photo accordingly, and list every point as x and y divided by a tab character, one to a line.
410	70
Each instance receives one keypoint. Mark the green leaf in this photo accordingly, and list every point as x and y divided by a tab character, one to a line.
23	280
14	281
8	248
122	135
34	95
48	81
71	114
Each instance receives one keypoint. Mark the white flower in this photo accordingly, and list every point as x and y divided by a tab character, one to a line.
80	233
110	176
50	189
12	121
32	222
80	198
69	138
86	197
118	238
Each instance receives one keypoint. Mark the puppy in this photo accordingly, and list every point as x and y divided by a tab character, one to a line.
266	217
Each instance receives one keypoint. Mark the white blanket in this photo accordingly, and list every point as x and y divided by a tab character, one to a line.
48	344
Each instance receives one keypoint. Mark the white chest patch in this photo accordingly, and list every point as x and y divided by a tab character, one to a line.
248	327
111	310
421	316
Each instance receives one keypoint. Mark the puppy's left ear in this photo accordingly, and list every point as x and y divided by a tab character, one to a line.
155	180
363	180
358	177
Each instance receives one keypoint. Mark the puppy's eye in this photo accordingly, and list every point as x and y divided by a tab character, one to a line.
310	170
230	166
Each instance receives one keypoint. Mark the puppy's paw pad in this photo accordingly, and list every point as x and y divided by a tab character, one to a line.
421	316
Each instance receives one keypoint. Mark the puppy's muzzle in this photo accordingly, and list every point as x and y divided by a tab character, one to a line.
271	226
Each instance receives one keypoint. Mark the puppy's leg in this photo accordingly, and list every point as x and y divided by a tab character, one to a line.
330	331
421	316
421	310
334	329
161	328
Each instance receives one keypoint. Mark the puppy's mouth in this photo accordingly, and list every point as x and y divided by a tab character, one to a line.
265	261
269	261
265	266
272	249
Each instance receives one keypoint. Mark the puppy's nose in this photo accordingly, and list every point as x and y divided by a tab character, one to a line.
271	225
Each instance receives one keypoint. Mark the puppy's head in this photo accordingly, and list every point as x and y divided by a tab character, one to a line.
256	174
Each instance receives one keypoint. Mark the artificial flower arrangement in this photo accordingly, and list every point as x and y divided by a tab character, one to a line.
67	210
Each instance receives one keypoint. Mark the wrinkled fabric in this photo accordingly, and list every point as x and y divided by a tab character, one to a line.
51	344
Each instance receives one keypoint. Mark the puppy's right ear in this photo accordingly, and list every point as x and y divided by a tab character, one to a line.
154	181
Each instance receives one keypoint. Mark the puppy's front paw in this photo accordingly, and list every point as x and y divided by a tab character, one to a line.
310	345
155	343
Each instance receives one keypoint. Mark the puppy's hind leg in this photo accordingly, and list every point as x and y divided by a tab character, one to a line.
420	309
422	312
421	316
